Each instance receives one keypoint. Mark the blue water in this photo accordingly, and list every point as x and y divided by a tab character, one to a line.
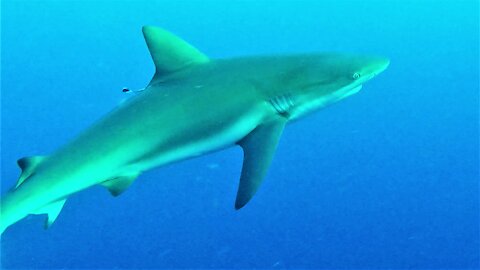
388	178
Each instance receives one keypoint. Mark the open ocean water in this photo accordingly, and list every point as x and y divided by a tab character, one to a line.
386	179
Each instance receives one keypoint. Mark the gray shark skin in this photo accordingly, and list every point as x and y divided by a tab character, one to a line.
193	105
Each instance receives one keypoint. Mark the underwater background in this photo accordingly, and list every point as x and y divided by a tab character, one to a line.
388	178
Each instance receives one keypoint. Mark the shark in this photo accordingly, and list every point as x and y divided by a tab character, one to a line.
192	106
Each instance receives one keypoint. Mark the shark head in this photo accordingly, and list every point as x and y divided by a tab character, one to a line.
315	81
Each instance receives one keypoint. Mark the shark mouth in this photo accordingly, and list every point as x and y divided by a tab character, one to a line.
350	91
355	89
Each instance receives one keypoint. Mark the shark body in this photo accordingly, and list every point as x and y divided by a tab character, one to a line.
192	106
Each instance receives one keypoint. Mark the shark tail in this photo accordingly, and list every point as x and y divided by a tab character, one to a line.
14	207
18	203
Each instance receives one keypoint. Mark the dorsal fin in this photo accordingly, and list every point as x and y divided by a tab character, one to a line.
169	52
28	165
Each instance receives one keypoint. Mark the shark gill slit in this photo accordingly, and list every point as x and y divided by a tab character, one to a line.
282	104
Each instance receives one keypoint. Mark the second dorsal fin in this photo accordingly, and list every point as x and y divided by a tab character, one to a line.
28	165
169	52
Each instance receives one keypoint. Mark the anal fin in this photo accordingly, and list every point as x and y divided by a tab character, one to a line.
52	210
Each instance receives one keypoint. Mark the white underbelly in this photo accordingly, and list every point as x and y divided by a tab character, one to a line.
226	137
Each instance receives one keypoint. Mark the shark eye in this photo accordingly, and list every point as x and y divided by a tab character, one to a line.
356	75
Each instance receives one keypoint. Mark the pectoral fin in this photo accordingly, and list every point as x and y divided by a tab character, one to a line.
258	149
52	210
118	185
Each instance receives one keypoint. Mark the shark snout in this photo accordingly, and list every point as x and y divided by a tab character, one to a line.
378	65
372	66
382	65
